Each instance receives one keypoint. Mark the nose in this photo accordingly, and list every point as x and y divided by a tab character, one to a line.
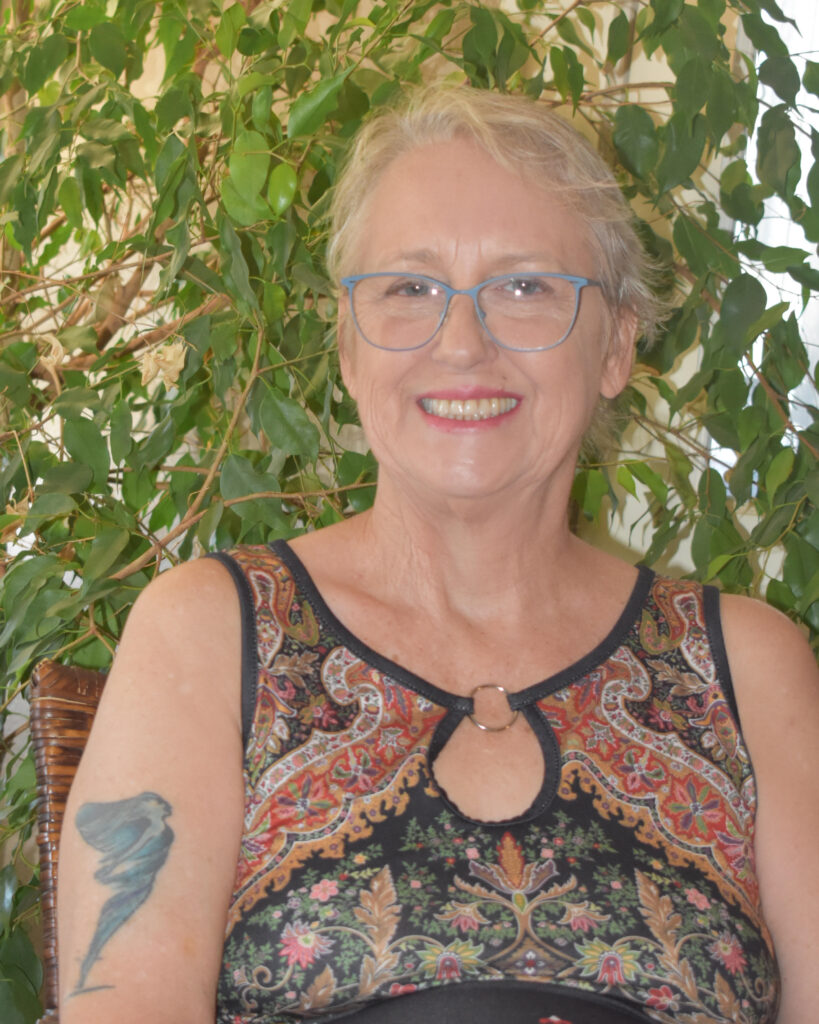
461	340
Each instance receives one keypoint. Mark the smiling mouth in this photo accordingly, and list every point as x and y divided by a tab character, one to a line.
468	408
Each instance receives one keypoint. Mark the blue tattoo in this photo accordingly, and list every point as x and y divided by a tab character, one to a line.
134	841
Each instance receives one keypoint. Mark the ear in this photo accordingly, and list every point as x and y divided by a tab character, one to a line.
619	357
345	339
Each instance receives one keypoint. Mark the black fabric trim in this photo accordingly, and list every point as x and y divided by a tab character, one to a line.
716	640
497	1002
337	629
522	700
517	700
551	766
601	653
250	653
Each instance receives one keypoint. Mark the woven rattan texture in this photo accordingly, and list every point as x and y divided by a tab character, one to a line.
64	701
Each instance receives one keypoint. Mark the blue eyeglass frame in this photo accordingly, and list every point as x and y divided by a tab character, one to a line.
579	284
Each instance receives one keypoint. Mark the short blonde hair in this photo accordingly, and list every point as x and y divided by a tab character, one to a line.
522	135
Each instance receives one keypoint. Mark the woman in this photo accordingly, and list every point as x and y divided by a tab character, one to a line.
471	768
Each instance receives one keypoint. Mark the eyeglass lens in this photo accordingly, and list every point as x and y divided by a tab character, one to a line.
521	311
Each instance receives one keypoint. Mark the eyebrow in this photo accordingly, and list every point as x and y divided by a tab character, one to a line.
501	262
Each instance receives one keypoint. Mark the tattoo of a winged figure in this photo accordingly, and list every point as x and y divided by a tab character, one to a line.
134	841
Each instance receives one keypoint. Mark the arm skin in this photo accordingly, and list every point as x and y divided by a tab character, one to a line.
154	819
777	688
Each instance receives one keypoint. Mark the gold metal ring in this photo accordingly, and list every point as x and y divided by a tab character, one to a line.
492	728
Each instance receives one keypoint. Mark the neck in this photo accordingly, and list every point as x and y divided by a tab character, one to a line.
477	557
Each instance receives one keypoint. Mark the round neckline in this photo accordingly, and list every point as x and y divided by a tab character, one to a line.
518	699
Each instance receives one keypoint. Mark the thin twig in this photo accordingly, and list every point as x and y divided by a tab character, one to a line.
191	515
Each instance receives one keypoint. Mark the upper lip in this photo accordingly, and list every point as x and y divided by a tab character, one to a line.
464	393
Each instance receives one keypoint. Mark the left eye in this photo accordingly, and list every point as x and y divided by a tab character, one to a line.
524	287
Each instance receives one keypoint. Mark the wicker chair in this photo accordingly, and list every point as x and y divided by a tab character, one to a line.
63	704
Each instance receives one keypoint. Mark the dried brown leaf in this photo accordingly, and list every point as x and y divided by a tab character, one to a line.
378	911
320	991
726	999
659	914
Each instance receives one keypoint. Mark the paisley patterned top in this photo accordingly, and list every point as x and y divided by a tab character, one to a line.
627	892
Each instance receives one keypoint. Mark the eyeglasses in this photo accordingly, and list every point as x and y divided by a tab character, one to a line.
523	312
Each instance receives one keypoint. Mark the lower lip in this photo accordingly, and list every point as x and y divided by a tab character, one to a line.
459	426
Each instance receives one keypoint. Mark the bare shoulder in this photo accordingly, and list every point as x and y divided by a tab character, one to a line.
773	668
776	682
181	597
180	653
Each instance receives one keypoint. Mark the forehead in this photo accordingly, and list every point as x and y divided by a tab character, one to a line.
452	202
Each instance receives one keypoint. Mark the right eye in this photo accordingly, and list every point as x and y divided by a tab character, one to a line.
410	288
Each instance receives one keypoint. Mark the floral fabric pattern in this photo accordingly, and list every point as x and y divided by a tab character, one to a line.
357	882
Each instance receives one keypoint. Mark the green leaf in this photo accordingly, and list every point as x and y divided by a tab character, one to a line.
781	75
235	265
779	471
249	163
681	469
227	34
287	425
684	142
84	16
810	79
695	34
700	251
693	86
48	506
586	18
106	547
107	45
82	338
8	887
666	12
569	75
67	478
764	36
618	38
312	108
282	188
171	107
243	207
646	475
743	304
481	40
16	950
778	153
70	199
722	109
18	1004
777	258
10	171
85	443
636	139
239	478
43	60
588	490
626	480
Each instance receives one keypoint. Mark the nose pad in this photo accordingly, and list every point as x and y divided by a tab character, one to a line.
462	336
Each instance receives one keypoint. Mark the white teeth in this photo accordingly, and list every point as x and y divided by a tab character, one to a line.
469	409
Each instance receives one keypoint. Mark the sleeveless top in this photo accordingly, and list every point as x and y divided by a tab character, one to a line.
626	893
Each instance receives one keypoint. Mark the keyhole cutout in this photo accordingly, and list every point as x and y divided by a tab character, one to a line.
495	773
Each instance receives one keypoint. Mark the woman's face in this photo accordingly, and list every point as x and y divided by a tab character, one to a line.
449	211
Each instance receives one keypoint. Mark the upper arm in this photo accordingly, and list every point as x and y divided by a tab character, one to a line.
153	822
777	689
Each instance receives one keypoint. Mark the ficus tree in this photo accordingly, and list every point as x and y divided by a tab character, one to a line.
168	377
